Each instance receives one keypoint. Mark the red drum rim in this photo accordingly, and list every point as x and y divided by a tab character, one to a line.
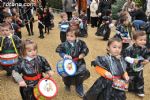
53	82
2	56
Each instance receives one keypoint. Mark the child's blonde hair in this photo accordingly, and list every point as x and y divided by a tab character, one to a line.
75	13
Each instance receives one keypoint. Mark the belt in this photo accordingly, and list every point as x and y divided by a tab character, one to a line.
38	76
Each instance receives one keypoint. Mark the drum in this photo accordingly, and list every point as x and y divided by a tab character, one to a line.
120	84
139	66
126	40
8	59
66	67
46	89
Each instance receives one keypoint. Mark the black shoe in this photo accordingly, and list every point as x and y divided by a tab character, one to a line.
80	94
9	74
67	88
105	39
79	90
42	37
39	36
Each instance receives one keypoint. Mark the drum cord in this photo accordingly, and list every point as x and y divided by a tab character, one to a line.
12	43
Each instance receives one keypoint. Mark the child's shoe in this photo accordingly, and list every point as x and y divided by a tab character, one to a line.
79	90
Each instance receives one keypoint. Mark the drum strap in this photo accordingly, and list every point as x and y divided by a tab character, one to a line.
14	44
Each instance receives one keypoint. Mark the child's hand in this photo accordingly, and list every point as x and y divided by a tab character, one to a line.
68	56
48	74
81	56
126	78
108	75
145	62
22	84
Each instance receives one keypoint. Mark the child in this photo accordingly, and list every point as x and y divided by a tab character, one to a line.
47	20
40	23
137	56
52	17
77	20
17	23
83	28
105	28
64	25
9	43
111	66
29	70
123	31
71	49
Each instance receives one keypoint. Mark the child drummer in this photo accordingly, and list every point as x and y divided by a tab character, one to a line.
111	66
9	43
74	48
31	67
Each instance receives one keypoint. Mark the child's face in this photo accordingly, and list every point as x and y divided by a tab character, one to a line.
5	31
141	41
31	51
126	22
8	20
70	37
115	48
65	18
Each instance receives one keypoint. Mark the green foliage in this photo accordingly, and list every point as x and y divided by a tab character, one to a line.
57	4
138	2
116	7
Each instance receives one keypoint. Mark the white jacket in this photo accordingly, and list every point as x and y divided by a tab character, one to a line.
93	8
148	8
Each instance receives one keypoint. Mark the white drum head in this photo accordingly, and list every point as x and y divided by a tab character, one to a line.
47	88
70	67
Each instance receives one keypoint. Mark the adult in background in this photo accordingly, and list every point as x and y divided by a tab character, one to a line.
93	9
103	6
148	8
69	7
82	5
139	14
129	6
88	10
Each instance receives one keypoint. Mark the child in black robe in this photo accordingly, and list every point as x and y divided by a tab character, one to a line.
29	70
111	66
137	55
74	48
9	43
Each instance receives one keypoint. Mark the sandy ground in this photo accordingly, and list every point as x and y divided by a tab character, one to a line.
46	47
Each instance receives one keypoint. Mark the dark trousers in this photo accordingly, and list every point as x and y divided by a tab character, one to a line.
18	34
88	15
63	36
136	83
94	21
148	41
27	93
77	79
47	28
106	36
41	32
69	14
30	28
